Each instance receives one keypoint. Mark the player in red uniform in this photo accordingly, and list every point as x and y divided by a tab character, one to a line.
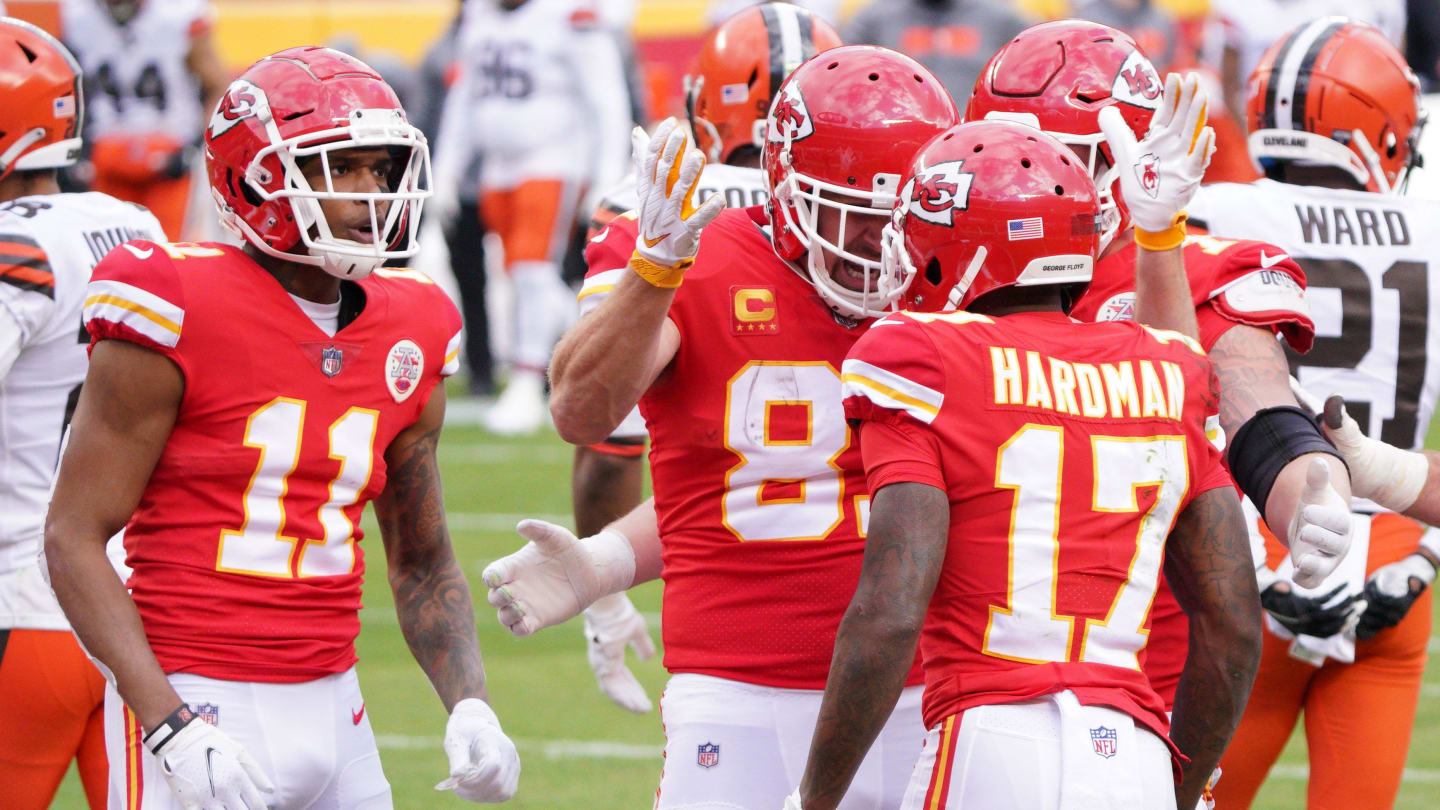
241	408
1242	294
1026	470
758	487
725	102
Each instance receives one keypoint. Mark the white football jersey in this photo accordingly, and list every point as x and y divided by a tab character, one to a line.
48	246
136	78
540	94
1366	260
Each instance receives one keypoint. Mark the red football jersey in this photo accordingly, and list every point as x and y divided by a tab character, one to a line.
1067	451
245	545
758	483
1231	282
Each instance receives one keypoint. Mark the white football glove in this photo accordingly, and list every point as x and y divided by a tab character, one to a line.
483	764
1319	533
611	624
792	802
206	770
1159	175
555	575
666	172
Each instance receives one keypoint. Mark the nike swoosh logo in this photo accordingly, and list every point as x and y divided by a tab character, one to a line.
657	240
885	322
356	717
142	255
209	769
1270	261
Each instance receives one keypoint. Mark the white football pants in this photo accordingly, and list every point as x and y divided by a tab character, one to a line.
312	739
737	746
1050	753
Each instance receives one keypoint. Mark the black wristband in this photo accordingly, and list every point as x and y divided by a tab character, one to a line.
168	728
1269	440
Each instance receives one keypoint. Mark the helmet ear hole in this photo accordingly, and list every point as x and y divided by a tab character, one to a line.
933	274
250	195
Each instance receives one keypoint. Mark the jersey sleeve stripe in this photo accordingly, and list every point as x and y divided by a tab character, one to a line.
28	274
596	287
167	314
20	242
133	316
890	390
452	356
129	306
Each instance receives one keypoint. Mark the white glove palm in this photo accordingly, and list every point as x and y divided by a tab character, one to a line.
555	575
484	766
1319	533
1159	175
792	802
611	624
666	172
206	770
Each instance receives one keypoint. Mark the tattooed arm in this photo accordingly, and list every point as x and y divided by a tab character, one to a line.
909	524
1254	375
432	598
1207	563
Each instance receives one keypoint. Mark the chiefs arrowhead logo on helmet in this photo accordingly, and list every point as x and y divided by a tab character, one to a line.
241	101
936	193
789	118
1137	82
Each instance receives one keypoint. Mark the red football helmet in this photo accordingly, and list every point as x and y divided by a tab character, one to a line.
1321	83
41	104
739	69
1058	76
306	103
844	124
985	205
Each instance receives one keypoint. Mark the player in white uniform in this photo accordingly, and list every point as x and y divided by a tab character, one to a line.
152	76
1334	119
723	107
542	98
50	694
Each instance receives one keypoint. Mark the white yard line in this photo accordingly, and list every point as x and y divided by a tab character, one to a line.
549	749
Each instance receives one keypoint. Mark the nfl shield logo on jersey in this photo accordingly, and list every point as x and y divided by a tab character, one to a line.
330	359
402	369
1105	741
708	755
208	712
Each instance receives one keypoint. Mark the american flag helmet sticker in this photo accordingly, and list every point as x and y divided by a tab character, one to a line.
1028	228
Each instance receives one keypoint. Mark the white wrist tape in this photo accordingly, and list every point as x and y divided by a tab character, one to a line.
1383	473
614	559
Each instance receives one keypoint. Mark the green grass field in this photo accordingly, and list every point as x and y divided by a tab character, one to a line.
579	750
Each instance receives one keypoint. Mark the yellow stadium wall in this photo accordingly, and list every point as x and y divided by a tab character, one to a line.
249	29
